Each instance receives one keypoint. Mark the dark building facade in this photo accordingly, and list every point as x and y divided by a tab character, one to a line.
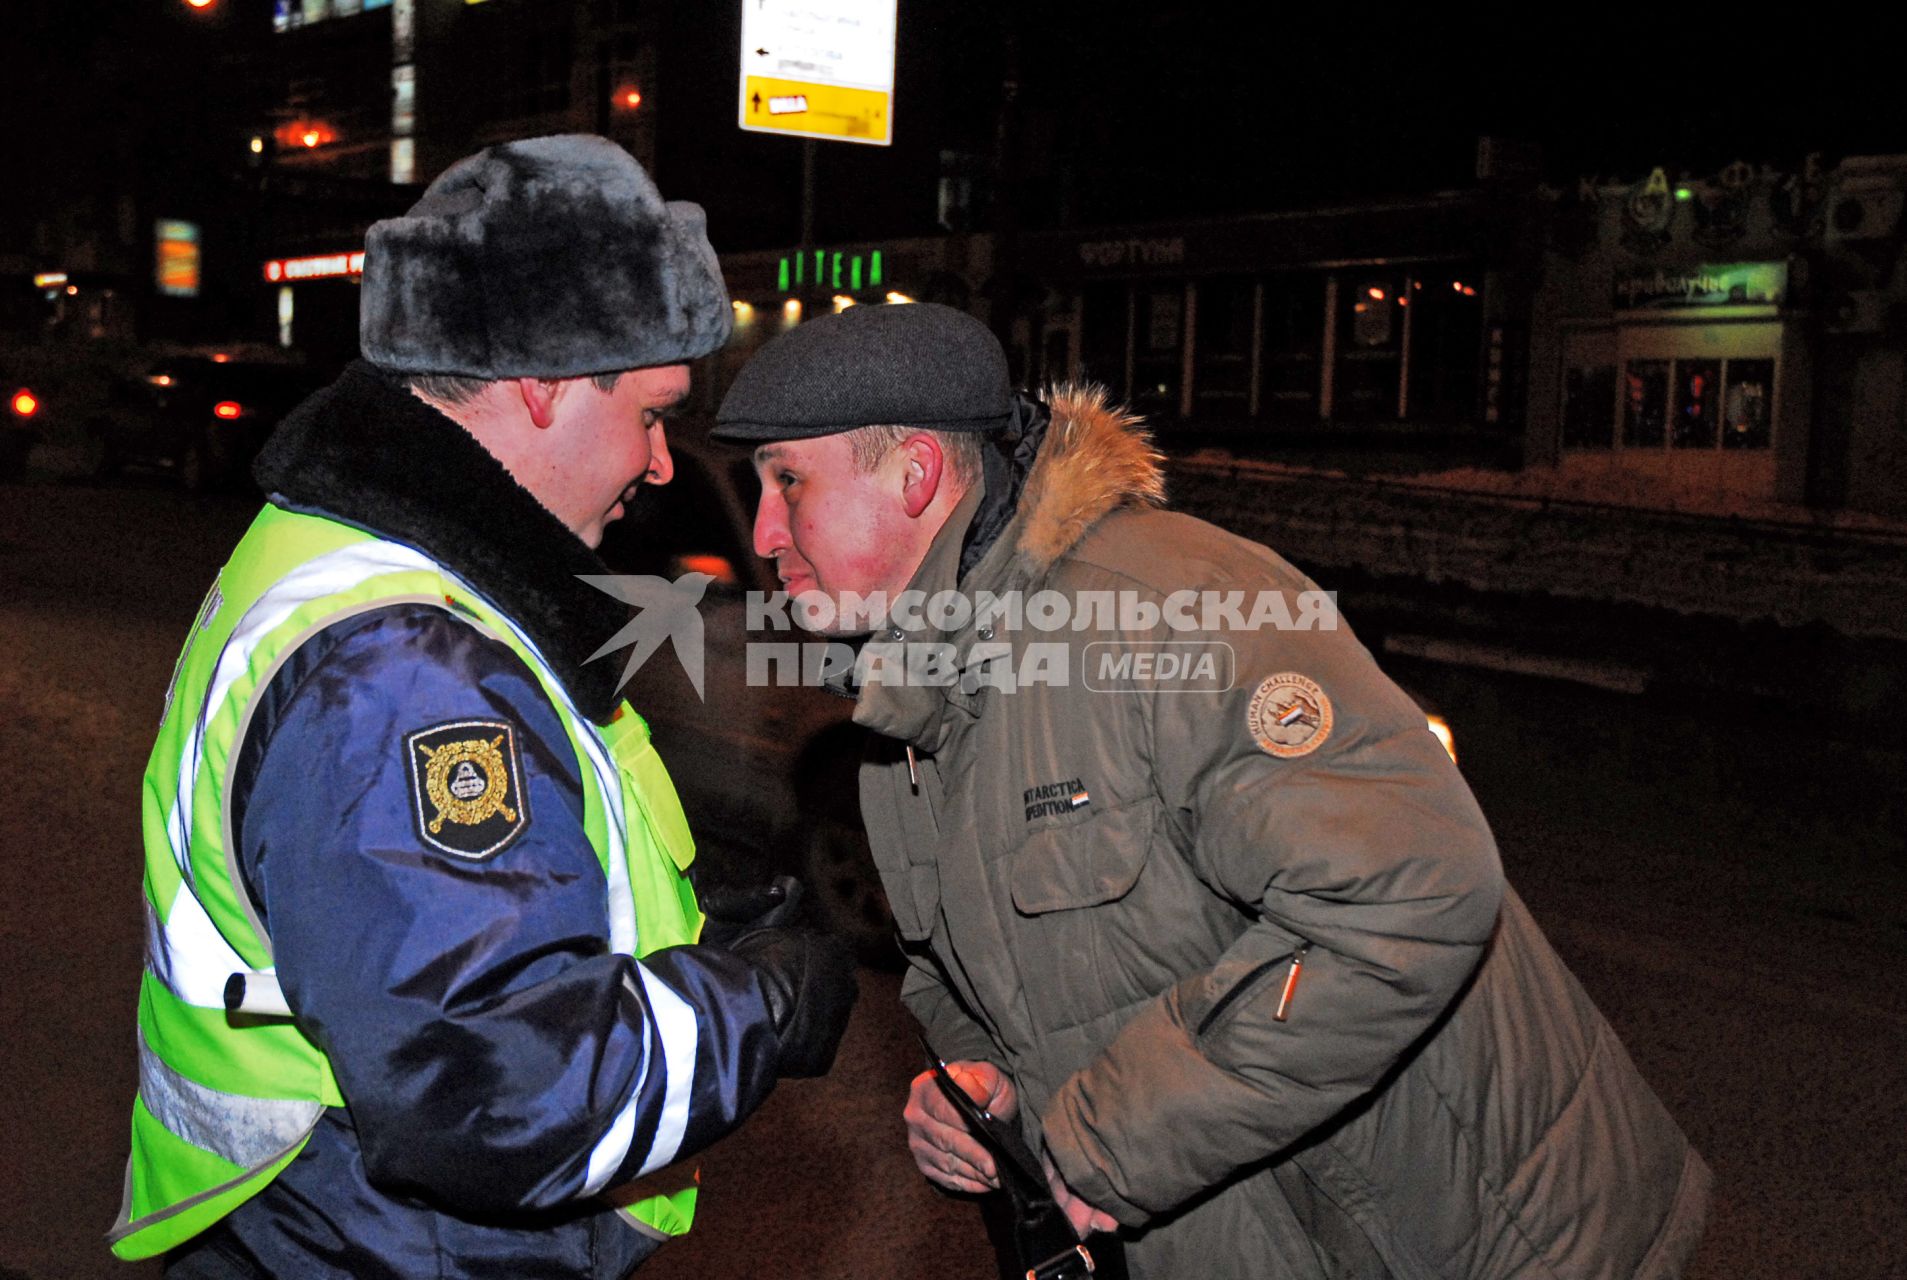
1738	338
1387	317
1725	345
368	100
1398	321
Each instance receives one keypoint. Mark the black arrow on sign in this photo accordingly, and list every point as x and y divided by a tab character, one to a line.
755	102
761	53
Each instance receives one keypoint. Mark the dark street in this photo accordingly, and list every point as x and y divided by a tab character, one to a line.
1732	891
1565	362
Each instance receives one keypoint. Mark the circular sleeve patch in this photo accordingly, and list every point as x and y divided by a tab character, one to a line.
1289	715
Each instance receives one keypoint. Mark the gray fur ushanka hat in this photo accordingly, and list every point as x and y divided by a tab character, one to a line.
550	258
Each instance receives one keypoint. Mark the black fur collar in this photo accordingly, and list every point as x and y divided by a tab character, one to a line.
369	453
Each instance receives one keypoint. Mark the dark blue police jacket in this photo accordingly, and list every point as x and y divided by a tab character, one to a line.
483	1034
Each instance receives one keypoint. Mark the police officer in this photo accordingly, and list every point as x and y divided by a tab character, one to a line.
424	994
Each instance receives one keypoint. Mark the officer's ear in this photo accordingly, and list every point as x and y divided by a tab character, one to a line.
922	468
539	399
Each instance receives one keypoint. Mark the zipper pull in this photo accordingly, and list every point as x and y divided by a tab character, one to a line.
1291	982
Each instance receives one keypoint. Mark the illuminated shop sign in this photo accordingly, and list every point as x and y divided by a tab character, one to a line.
1163	251
826	269
323	266
175	258
1724	284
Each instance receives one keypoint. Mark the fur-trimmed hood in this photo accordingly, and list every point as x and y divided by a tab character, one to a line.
1096	458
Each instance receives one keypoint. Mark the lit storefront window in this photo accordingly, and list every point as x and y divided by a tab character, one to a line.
1645	408
1679	404
403	101
1445	318
1158	358
1748	398
1290	375
1222	380
1370	347
403	159
289	15
1295	346
1697	387
1691	353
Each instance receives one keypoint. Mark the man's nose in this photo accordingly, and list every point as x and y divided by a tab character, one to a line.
661	465
771	524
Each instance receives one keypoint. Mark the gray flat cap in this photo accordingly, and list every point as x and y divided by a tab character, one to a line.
906	365
549	258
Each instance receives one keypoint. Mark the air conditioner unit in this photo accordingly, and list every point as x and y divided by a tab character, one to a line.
1866	200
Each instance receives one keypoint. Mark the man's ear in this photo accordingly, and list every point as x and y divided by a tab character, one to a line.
539	398
922	468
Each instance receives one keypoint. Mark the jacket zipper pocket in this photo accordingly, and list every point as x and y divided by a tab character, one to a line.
1295	961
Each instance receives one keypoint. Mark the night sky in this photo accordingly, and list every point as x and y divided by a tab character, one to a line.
1131	111
1156	110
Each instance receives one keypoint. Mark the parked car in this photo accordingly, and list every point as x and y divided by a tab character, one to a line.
767	775
51	392
56	394
201	418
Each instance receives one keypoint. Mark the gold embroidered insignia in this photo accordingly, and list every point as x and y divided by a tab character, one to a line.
1289	715
471	785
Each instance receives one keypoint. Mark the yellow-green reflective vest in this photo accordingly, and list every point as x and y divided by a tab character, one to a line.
226	1100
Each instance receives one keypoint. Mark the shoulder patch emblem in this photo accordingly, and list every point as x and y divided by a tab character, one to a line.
467	787
1289	715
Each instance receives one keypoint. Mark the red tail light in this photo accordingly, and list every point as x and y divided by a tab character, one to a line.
25	403
227	409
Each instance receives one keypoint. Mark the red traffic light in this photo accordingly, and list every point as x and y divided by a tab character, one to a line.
227	409
24	403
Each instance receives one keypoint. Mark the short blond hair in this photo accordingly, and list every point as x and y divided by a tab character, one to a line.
961	449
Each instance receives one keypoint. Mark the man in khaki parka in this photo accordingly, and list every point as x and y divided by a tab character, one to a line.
1187	886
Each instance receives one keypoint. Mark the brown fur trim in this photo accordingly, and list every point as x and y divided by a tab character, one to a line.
1096	458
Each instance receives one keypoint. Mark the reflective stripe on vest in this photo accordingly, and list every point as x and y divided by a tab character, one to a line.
201	1076
243	1131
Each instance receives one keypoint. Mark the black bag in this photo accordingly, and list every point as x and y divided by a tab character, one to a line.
1042	1241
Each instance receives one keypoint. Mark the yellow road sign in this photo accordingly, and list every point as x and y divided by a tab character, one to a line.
808	109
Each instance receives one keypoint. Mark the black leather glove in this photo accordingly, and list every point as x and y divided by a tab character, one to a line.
808	979
732	911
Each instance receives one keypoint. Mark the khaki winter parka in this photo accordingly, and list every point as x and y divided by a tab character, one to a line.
1104	871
